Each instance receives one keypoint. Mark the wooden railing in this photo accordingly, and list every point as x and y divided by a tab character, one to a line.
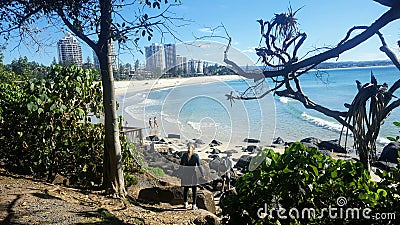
133	135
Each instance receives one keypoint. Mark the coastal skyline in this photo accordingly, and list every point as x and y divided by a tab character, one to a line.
325	24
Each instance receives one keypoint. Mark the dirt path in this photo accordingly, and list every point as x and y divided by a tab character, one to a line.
25	201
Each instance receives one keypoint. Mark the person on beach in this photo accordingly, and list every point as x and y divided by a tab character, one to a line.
226	168
155	124
150	123
189	161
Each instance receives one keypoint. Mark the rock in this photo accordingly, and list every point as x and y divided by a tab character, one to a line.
205	200
231	151
311	142
243	162
251	140
60	180
174	196
215	151
390	152
384	165
326	153
309	145
213	156
152	138
214	164
278	141
215	143
332	145
251	148
207	220
199	141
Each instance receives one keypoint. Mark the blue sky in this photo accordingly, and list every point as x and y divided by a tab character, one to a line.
325	22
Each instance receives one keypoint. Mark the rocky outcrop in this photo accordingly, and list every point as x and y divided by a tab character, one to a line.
332	145
207	220
174	196
278	141
311	142
243	162
390	152
251	140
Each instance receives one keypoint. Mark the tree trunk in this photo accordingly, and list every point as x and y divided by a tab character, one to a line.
113	178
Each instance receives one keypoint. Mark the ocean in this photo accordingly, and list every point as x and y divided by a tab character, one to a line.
202	111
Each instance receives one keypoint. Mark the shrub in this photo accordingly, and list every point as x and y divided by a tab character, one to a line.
44	125
302	178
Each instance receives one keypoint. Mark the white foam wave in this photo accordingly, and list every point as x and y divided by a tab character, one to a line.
195	125
382	141
283	100
322	123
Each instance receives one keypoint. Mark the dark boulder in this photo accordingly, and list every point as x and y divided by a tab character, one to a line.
252	149
174	196
213	156
199	141
207	220
390	152
215	143
332	145
152	138
311	142
251	140
243	162
230	152
387	166
215	151
278	141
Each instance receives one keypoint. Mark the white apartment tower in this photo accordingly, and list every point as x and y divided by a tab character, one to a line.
154	58
195	66
170	58
69	51
181	65
113	57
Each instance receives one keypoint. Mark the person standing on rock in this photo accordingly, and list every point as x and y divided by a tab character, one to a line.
189	161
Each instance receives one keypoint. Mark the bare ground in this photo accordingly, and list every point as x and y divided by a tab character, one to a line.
24	200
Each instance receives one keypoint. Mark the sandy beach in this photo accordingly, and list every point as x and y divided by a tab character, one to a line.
124	87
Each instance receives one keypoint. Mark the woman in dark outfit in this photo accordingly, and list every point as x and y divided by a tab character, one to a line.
189	161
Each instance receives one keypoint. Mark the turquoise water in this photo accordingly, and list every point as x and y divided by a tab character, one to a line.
202	111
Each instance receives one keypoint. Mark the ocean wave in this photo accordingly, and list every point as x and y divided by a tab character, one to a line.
283	100
382	141
323	123
194	125
336	127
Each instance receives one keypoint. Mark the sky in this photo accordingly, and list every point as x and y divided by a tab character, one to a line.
324	22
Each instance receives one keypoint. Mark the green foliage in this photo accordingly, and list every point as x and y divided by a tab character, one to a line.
397	138
304	178
130	180
45	127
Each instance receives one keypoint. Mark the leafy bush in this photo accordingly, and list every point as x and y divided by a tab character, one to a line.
44	125
130	180
302	178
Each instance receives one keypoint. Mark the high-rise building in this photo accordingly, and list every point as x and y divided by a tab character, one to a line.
113	57
181	65
195	66
69	51
154	58
170	58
